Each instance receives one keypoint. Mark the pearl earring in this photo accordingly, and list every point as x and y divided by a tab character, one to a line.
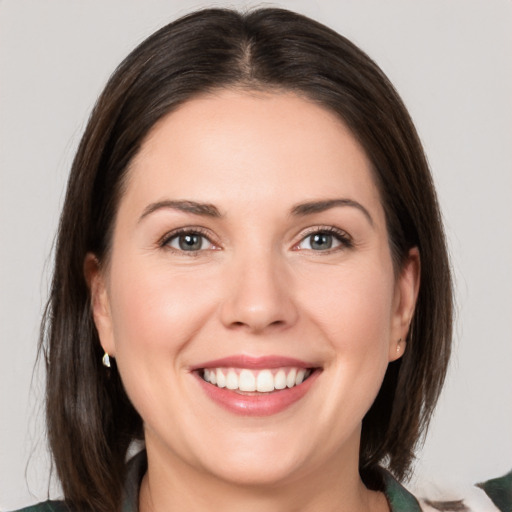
106	360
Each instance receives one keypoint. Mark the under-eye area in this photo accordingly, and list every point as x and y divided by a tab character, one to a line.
244	380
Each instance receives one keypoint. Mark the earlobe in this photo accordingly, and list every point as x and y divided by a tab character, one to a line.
406	295
100	306
399	350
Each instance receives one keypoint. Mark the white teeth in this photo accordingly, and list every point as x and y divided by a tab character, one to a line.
232	380
262	381
265	381
300	376
280	380
246	381
290	379
221	380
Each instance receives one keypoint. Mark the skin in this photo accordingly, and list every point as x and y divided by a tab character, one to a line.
258	287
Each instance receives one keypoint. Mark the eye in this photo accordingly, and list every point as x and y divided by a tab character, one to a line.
187	241
325	240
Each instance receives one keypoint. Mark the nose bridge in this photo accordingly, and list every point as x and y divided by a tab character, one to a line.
259	295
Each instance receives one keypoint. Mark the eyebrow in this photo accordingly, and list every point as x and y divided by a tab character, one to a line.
313	207
210	210
204	209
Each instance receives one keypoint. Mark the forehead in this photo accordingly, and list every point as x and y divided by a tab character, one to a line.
257	146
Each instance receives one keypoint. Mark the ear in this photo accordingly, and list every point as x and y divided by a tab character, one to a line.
406	293
100	305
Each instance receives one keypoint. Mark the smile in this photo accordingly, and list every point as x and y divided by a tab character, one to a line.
256	386
262	381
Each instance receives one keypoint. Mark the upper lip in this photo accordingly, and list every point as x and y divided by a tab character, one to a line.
254	362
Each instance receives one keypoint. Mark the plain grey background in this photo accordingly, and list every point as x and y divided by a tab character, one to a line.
451	60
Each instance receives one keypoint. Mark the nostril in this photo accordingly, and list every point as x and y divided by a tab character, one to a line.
275	323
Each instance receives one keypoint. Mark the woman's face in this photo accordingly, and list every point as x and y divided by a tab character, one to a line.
250	250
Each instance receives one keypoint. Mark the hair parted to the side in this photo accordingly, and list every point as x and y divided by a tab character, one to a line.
91	421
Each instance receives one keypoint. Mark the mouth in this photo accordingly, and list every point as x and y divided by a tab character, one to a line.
256	386
246	380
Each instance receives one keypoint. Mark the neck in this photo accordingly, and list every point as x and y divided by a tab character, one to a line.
172	484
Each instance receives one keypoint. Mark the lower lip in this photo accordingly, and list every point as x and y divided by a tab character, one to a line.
264	404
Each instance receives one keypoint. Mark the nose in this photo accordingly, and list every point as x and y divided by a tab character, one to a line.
259	296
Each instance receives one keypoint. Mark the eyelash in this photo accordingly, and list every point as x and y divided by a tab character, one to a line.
341	236
345	240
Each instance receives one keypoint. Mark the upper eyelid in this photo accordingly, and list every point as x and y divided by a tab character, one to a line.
333	230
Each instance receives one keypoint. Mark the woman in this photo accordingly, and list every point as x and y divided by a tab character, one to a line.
251	278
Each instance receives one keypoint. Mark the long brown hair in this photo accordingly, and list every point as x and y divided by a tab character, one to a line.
91	421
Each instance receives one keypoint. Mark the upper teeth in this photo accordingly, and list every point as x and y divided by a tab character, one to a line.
263	381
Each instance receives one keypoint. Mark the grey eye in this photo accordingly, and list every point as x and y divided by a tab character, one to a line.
188	242
320	241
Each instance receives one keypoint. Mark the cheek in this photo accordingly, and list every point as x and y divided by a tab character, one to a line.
349	309
352	309
155	310
155	315
352	306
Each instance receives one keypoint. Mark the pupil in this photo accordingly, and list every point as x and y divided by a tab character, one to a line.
321	241
190	242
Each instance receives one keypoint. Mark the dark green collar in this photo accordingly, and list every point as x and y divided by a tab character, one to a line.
137	467
399	498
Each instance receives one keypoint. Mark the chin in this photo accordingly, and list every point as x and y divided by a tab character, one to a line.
256	471
264	459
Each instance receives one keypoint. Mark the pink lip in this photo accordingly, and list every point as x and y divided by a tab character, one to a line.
254	363
262	404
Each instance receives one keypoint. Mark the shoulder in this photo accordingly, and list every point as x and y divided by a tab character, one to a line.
47	506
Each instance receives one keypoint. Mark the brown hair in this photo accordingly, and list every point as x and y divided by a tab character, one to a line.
91	422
